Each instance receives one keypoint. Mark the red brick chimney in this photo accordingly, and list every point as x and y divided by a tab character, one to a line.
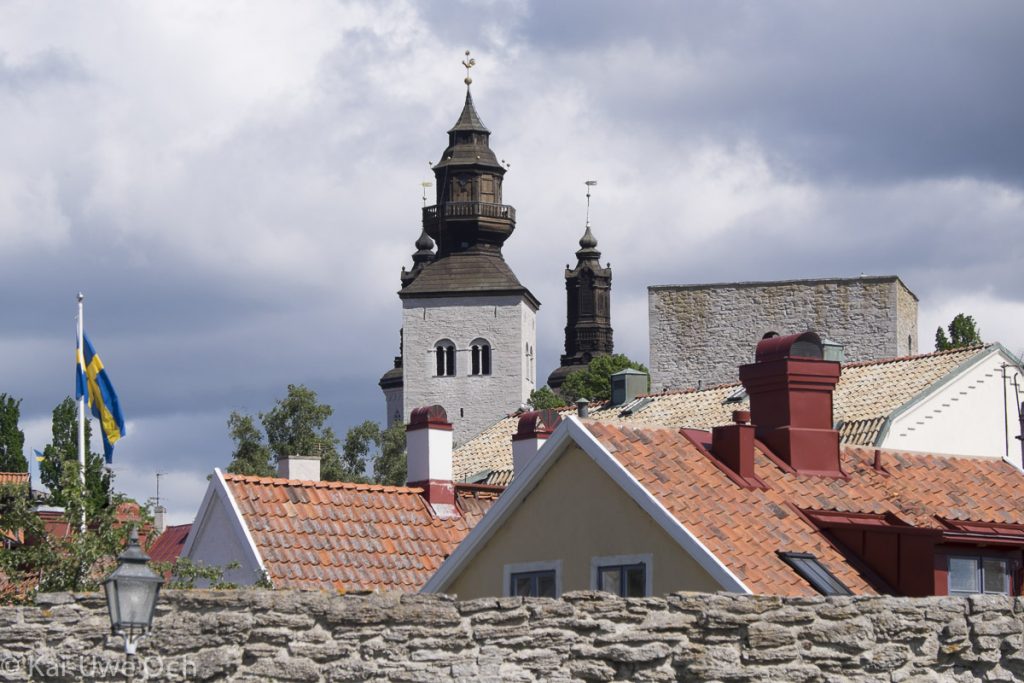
733	444
428	440
534	429
790	389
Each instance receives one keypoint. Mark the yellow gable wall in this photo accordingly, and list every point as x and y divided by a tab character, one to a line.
576	513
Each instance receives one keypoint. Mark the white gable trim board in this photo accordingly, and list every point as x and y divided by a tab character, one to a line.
571	430
218	492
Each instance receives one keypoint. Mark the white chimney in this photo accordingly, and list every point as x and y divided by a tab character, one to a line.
428	443
159	519
534	429
303	467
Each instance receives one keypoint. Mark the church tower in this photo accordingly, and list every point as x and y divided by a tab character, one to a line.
468	325
588	326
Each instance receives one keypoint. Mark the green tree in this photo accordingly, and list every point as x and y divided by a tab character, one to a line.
543	398
595	382
251	456
383	449
12	439
295	426
60	562
389	467
64	448
963	331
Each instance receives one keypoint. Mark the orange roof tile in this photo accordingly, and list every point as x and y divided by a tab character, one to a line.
745	527
349	537
867	393
13	478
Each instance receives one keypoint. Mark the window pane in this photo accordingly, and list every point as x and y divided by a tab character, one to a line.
450	360
486	354
995	575
609	579
440	360
476	360
963	574
546	585
636	581
522	584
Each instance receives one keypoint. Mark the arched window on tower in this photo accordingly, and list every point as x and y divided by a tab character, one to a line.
444	353
480	352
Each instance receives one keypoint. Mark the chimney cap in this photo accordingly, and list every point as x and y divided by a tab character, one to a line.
802	345
427	416
537	423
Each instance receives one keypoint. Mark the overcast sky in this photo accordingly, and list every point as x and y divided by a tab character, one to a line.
235	186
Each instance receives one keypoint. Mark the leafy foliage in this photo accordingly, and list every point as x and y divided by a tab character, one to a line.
963	331
295	426
389	467
251	456
64	448
384	449
184	573
544	398
12	439
595	382
60	562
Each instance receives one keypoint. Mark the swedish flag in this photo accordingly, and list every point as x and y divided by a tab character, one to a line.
92	381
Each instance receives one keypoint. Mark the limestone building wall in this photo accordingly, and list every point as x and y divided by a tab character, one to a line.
473	402
701	334
312	636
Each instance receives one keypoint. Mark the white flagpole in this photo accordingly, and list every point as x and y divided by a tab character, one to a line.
81	411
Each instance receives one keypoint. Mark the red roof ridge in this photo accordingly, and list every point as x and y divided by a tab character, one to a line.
280	481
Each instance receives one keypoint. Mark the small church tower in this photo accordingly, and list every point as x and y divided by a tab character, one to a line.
468	325
588	325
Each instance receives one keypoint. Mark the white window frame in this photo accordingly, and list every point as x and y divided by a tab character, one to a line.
522	567
608	560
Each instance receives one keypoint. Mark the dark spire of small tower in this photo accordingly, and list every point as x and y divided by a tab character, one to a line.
424	248
588	329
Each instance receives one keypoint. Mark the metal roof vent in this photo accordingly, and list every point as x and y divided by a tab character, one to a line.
627	385
833	350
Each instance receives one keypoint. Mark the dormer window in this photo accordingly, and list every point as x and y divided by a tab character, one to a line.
444	353
978	574
480	354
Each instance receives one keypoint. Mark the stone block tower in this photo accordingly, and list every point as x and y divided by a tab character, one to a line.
469	327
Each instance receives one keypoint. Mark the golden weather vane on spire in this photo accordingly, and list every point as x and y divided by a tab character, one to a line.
469	63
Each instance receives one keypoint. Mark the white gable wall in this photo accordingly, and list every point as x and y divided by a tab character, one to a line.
964	416
217	538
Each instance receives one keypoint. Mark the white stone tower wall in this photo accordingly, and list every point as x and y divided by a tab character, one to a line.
393	401
473	402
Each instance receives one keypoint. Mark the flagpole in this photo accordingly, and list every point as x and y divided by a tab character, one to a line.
81	409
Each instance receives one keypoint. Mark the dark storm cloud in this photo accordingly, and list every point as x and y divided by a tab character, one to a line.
871	92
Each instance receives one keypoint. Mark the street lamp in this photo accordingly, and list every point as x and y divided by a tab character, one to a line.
131	591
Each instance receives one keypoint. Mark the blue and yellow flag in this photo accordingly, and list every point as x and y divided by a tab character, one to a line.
92	381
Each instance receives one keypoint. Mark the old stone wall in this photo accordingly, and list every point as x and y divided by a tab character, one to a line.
296	636
701	334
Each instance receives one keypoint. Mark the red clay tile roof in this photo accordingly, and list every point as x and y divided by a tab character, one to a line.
350	537
13	478
745	527
867	393
168	545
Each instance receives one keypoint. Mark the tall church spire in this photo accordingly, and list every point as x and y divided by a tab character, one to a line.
588	329
469	326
